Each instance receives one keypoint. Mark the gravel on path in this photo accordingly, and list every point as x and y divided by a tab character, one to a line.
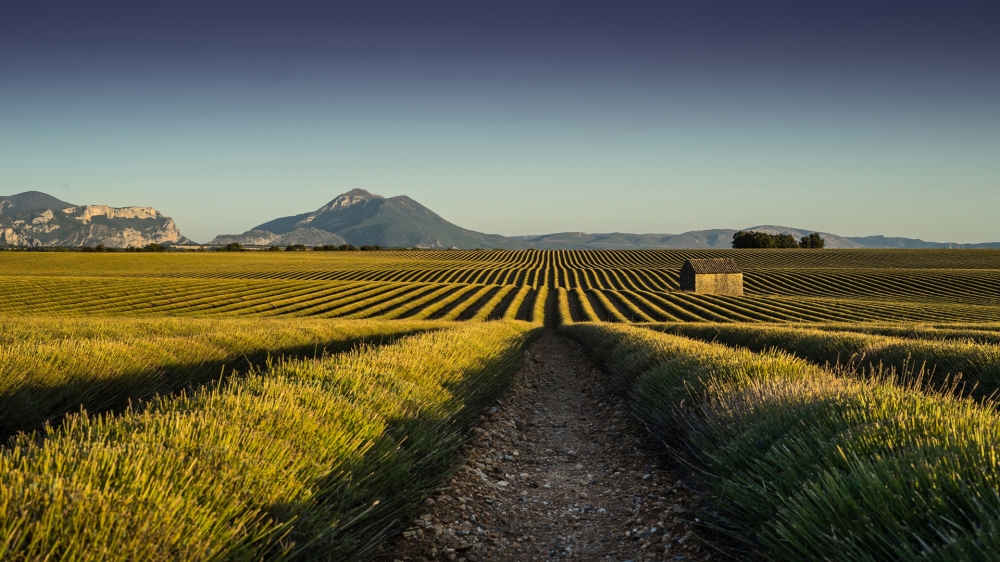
557	469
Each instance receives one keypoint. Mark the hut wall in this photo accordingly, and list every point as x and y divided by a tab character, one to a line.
688	280
719	284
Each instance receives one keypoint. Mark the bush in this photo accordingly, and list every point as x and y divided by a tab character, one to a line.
341	248
296	248
232	247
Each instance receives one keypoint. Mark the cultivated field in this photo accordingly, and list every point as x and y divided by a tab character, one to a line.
617	286
302	405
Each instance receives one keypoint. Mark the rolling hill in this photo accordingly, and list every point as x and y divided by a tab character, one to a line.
362	218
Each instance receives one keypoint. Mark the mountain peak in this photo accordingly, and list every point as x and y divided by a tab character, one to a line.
350	198
345	200
362	193
30	200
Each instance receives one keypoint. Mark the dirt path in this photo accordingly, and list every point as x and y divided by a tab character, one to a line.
557	469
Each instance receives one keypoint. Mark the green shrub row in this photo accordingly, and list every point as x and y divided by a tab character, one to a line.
974	333
310	460
806	465
940	360
53	366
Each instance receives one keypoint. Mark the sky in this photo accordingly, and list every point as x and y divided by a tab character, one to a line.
856	118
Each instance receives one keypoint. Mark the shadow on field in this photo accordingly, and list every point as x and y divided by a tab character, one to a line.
31	406
377	492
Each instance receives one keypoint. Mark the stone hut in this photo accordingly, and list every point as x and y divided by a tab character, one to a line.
712	277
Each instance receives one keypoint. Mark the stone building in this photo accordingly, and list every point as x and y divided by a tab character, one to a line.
712	277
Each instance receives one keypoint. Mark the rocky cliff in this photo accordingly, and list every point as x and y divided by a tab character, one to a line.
24	223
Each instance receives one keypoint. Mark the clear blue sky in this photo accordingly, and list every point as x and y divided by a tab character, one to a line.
855	118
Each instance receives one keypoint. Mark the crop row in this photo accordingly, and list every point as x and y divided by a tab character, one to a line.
968	286
938	362
291	263
304	461
446	301
973	286
807	465
577	305
22	264
146	297
53	366
982	333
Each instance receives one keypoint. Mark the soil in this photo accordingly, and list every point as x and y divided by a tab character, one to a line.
558	469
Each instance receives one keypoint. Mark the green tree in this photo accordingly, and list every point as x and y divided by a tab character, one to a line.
752	239
785	241
814	241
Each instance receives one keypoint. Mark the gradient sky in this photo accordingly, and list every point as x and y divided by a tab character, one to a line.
510	117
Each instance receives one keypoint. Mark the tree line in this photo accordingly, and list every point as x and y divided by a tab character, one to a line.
237	247
753	239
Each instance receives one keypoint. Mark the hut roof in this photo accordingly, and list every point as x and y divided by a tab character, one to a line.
725	265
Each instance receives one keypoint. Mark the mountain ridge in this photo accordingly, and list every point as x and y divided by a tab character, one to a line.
360	217
36	219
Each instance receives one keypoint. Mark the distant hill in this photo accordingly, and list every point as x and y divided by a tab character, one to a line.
914	243
30	200
35	219
361	218
706	239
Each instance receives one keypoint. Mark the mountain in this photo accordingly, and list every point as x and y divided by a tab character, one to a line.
30	200
698	239
34	219
362	218
884	242
259	237
832	240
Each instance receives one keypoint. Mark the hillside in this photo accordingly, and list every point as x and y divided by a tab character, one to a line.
362	218
35	219
30	200
719	238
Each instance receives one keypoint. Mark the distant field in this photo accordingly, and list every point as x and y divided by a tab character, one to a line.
958	286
